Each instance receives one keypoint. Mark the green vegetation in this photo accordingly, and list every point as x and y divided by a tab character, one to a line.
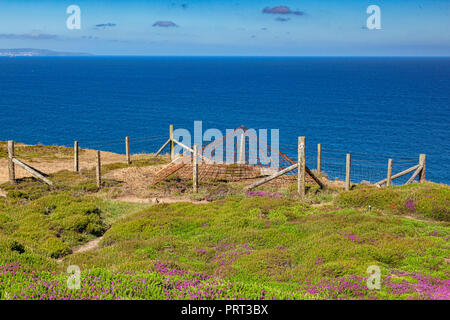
428	200
258	245
50	226
283	239
37	151
64	181
142	161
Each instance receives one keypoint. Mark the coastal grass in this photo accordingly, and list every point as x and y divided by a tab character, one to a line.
30	152
140	160
425	200
263	244
270	239
49	227
83	183
80	183
243	247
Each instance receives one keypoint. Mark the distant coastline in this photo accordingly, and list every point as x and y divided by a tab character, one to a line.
27	52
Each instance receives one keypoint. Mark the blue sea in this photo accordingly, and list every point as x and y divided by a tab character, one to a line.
374	108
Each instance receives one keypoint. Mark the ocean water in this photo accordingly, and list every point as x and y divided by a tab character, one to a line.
374	108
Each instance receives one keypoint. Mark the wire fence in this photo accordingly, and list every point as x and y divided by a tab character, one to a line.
366	167
138	145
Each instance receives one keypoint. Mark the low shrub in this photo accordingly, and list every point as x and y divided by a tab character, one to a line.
55	248
52	224
427	200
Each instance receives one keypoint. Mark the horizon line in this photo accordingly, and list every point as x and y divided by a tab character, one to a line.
231	56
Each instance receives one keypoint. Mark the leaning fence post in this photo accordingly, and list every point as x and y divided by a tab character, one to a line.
422	160
319	159
76	167
11	166
195	168
301	167
127	149
389	173
347	171
99	171
172	144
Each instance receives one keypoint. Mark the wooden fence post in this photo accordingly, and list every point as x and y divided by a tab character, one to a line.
127	149
347	171
11	166
172	143
301	167
422	160
99	171
389	173
195	168
76	166
319	159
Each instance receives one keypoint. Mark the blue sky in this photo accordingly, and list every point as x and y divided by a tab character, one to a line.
207	27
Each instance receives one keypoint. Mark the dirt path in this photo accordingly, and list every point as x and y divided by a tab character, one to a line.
158	200
88	246
93	244
405	217
318	205
87	160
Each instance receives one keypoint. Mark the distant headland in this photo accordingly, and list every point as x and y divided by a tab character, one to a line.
27	52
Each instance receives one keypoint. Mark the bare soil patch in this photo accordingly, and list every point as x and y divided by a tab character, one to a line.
159	200
136	181
89	246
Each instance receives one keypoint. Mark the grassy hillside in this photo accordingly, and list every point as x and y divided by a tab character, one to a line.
28	152
259	245
424	201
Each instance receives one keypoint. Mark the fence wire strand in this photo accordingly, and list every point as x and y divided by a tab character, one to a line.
365	166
